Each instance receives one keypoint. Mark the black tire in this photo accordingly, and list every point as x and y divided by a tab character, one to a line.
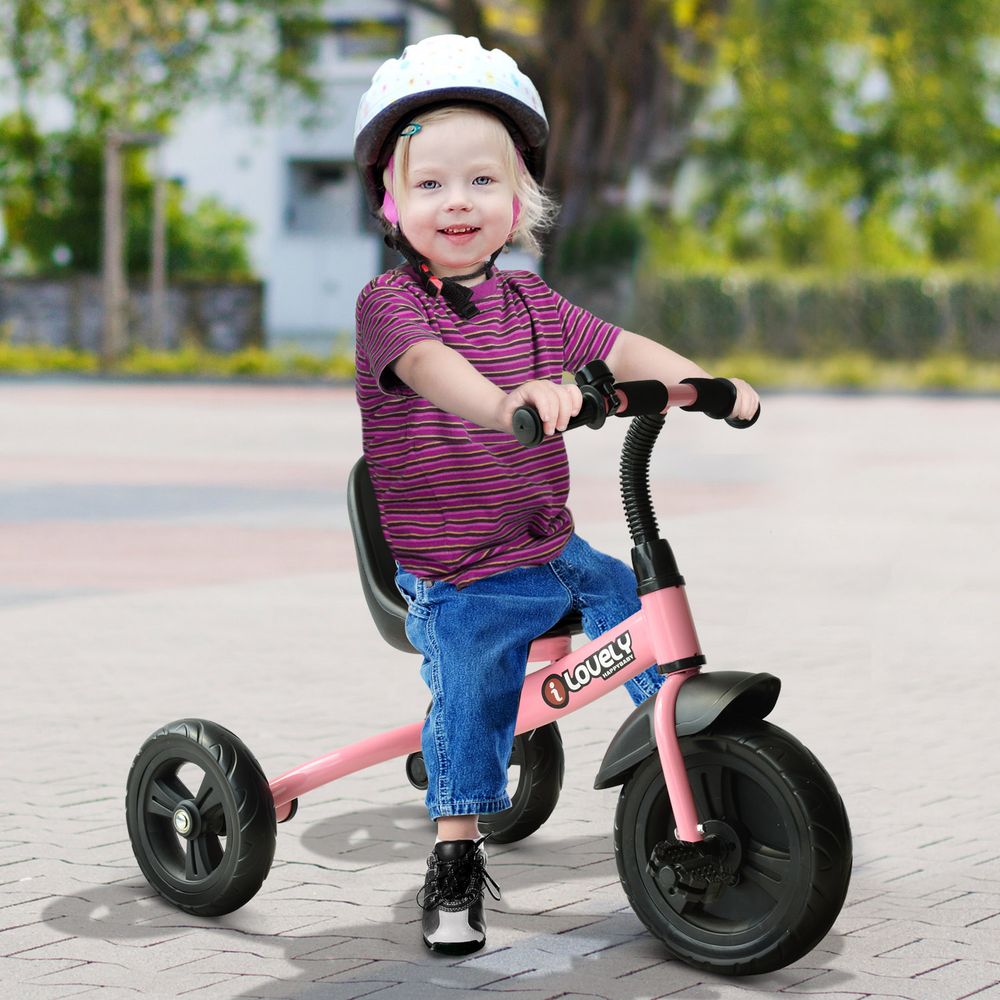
794	850
222	859
536	776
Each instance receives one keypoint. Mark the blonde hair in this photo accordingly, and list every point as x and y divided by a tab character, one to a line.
537	209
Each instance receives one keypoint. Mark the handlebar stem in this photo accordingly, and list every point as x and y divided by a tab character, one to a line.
652	558
637	452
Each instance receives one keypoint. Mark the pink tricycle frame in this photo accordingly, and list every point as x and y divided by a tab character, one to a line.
661	632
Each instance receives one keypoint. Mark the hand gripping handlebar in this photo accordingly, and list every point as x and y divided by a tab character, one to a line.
603	397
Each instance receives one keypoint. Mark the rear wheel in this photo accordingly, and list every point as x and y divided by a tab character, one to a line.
534	780
782	833
200	817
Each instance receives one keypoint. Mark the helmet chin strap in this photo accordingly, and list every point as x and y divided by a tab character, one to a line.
457	295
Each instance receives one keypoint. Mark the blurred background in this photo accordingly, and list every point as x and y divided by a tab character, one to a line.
801	191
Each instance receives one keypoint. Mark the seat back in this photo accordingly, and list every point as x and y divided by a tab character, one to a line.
375	562
378	568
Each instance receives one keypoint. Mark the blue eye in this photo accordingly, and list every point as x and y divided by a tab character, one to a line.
483	181
428	185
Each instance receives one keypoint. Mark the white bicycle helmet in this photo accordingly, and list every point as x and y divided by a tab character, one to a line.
438	70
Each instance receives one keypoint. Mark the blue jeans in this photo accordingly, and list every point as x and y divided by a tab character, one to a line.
475	643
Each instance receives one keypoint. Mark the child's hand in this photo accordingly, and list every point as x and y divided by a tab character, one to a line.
747	400
554	402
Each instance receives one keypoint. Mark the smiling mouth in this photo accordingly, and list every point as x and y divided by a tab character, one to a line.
459	230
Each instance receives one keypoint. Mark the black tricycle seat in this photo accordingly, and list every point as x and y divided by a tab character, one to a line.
378	568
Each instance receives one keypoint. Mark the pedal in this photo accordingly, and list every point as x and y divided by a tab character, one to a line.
686	872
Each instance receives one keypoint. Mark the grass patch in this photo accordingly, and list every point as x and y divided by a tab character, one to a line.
845	370
187	362
30	359
859	370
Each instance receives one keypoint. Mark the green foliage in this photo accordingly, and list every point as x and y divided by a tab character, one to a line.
850	134
190	361
945	371
969	230
254	361
760	370
612	240
52	210
33	359
132	66
859	370
210	241
818	314
135	65
850	369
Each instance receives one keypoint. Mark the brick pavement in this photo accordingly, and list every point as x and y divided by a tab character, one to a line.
182	550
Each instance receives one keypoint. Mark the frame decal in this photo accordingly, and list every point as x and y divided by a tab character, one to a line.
607	660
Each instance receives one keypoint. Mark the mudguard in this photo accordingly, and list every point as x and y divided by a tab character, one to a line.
701	700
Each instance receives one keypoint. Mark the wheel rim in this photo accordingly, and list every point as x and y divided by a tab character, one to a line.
740	796
185	810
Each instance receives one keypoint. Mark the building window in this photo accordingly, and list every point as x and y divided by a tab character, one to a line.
365	40
322	197
345	41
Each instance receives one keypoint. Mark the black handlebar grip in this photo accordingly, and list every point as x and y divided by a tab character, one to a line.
716	398
528	427
742	425
530	431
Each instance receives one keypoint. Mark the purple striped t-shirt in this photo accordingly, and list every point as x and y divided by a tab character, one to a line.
460	502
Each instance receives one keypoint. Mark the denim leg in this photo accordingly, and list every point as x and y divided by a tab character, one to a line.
475	644
604	589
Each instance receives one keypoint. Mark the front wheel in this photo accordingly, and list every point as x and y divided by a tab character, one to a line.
200	817
784	835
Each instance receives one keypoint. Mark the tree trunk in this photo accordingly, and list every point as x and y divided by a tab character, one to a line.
621	83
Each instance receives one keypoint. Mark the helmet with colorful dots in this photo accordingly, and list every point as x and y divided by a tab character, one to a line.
440	70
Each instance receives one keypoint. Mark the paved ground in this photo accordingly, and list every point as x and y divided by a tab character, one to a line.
168	551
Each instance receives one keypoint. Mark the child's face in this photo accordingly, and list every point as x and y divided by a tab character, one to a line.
458	205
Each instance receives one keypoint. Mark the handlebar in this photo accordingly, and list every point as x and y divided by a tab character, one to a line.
602	397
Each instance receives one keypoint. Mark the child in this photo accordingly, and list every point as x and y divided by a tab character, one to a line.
450	142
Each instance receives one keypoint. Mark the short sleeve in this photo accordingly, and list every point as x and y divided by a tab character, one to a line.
587	337
389	321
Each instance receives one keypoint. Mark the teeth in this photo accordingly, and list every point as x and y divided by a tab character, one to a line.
459	231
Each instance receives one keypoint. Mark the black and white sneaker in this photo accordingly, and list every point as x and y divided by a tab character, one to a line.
452	897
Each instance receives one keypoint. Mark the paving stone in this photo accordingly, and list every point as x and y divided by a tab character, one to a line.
243	605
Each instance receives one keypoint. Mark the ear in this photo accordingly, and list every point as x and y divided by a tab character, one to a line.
389	209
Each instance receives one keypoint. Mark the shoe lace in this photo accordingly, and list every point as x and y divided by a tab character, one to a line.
457	883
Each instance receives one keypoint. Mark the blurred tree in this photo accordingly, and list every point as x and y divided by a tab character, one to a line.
132	66
54	217
884	113
833	133
23	37
621	83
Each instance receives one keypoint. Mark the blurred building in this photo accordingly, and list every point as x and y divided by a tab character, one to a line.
314	243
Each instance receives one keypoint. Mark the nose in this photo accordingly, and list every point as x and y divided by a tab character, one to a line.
457	199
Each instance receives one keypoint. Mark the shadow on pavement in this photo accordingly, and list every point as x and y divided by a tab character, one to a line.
592	951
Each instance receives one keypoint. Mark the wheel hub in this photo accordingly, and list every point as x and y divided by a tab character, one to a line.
187	820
